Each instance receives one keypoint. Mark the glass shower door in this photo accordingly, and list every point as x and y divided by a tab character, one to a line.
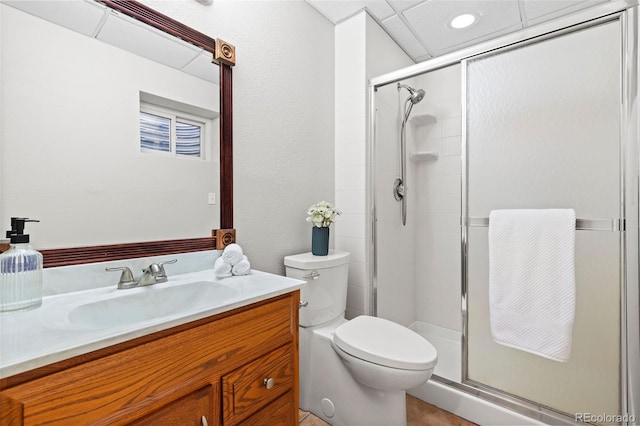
543	131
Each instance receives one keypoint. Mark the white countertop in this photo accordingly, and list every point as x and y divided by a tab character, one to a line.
45	335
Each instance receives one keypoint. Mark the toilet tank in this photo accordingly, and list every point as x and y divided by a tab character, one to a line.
326	289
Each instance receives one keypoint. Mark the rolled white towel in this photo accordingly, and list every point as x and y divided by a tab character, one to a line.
221	268
232	254
241	268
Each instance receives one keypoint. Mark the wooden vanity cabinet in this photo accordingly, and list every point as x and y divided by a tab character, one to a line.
239	367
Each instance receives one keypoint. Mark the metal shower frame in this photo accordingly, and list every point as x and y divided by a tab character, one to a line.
626	11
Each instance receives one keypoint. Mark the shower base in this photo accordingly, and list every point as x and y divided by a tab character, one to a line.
436	392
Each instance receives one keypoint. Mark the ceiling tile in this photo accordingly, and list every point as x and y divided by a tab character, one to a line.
401	5
404	37
379	8
333	10
78	15
337	10
542	10
430	22
138	38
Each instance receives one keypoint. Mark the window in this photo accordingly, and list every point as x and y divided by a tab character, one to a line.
168	131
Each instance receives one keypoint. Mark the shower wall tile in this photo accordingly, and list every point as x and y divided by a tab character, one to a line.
355	246
438	203
351	313
385	203
352	226
358	295
351	202
350	154
441	222
442	184
350	129
354	105
443	316
450	165
440	276
452	146
436	296
450	107
362	50
451	126
418	134
351	178
438	241
451	82
358	272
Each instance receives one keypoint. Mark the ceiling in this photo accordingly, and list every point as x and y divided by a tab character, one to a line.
422	27
98	21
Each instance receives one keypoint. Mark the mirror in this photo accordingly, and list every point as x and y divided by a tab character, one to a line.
70	148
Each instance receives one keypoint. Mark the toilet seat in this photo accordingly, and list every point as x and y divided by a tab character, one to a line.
386	343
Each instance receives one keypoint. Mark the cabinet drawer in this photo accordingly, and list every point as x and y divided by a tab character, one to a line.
187	411
253	386
281	412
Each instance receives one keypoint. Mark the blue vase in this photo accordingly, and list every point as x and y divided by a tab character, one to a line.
319	241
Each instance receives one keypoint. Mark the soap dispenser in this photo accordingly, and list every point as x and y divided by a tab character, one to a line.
20	271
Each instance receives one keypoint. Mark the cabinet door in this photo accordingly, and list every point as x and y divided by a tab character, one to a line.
281	412
253	386
194	409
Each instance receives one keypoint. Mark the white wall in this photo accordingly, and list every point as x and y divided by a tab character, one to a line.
363	50
283	117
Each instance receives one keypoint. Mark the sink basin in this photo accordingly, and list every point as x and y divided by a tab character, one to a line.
148	303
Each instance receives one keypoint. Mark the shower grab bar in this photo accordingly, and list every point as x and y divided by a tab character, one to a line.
612	225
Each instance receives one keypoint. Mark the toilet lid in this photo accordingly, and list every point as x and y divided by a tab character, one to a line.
385	343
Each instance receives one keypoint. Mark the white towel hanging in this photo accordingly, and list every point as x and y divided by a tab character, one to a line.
532	280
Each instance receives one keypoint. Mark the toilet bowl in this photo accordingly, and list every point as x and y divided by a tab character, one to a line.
352	372
384	355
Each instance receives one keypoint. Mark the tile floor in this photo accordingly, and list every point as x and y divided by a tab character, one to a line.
419	413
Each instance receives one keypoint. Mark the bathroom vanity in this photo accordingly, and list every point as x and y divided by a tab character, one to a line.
233	362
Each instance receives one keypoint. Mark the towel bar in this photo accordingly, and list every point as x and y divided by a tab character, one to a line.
613	225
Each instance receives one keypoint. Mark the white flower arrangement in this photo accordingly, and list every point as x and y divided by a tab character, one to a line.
323	214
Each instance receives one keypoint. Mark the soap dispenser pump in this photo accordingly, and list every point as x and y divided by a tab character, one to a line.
20	271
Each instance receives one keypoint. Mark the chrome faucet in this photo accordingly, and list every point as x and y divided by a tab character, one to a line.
153	274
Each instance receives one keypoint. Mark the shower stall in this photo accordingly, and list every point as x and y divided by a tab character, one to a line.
539	119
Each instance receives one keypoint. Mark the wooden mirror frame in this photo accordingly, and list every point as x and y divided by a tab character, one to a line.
224	56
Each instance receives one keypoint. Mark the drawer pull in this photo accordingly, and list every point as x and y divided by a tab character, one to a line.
268	382
204	421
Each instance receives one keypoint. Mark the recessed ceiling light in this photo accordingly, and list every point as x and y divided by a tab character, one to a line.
462	21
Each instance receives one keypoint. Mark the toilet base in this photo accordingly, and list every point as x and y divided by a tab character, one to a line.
328	390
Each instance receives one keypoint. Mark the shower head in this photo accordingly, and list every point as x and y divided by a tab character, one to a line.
415	95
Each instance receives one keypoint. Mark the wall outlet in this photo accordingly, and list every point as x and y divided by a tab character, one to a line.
212	198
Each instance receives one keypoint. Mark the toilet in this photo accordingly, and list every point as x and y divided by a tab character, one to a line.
353	372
